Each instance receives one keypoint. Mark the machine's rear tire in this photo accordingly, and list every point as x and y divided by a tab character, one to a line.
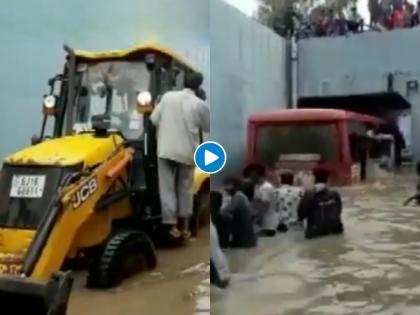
125	254
62	310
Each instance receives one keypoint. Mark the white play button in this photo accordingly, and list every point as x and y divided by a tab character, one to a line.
209	157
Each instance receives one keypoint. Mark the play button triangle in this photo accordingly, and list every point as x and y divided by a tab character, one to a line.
209	157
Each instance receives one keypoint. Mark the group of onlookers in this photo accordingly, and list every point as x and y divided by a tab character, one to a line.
304	22
330	22
265	202
321	21
394	14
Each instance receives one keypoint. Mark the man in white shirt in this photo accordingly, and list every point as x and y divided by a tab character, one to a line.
355	21
289	197
265	202
179	117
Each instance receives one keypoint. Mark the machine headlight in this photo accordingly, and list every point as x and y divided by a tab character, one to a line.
50	101
144	98
48	106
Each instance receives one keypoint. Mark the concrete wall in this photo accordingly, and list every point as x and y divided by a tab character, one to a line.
32	34
360	64
247	76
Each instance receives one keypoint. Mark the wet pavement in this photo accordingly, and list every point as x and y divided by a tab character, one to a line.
203	298
372	269
177	287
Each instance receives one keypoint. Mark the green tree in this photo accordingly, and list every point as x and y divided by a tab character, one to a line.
269	10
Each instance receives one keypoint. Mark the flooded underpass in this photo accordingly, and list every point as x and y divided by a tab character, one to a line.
372	269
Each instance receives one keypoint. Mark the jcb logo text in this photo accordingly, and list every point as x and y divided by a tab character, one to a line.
84	193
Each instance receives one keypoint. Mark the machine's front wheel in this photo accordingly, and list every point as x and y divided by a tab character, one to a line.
125	254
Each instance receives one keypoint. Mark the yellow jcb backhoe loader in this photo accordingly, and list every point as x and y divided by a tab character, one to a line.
87	188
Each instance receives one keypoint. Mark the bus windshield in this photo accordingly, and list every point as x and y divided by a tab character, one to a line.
273	141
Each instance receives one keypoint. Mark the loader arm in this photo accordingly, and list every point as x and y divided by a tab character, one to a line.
75	206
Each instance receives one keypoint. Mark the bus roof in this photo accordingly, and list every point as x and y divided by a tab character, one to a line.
121	54
311	115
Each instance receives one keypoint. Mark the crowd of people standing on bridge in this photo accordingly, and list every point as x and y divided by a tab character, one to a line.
323	21
394	14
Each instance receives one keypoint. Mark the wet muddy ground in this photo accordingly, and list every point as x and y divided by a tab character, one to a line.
177	287
374	268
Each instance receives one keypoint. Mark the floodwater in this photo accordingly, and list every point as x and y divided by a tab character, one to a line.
372	269
177	287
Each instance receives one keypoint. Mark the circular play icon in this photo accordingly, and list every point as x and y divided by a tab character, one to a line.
210	157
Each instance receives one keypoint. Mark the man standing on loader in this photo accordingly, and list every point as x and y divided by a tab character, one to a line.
179	117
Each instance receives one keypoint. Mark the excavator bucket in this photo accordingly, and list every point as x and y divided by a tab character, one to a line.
25	296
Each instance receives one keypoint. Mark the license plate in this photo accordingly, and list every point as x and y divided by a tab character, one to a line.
10	269
27	186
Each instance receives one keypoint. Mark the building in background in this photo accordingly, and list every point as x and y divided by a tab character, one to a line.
375	72
248	75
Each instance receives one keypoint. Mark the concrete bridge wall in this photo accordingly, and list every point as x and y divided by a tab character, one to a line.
247	75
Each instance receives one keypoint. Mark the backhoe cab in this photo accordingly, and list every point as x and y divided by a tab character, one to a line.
88	188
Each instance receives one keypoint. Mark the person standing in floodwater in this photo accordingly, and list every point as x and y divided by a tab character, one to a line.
321	207
289	197
392	128
264	200
179	117
235	222
268	197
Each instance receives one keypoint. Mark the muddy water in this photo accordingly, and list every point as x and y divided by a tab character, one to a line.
174	288
373	269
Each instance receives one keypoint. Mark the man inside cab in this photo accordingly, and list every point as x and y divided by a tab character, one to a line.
179	117
321	208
